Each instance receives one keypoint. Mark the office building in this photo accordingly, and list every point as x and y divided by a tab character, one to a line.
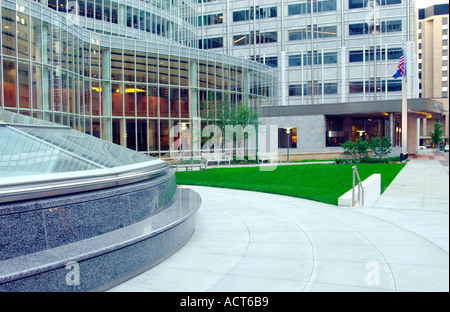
432	45
335	59
123	72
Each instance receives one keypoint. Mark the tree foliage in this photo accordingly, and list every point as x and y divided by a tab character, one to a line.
437	133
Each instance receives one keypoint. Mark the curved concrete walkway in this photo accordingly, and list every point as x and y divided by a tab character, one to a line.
248	241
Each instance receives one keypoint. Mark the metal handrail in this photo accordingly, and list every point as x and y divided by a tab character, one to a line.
360	188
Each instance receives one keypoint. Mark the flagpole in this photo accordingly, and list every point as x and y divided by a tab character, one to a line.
404	116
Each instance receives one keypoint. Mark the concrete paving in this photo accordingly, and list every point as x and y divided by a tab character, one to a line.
248	241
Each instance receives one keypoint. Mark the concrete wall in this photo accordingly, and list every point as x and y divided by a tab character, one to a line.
310	132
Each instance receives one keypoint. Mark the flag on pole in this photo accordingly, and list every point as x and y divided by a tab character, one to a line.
401	67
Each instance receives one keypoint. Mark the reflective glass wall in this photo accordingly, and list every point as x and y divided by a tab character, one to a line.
162	20
127	91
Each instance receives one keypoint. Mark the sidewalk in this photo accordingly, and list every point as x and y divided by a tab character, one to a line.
248	241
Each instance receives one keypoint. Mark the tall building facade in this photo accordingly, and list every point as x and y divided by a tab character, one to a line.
126	72
432	45
335	61
326	51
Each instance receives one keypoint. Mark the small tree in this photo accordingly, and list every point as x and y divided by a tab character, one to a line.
380	148
359	149
437	134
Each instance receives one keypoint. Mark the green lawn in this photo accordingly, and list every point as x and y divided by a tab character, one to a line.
320	182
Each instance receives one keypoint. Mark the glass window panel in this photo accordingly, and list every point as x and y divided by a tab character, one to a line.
141	67
117	99
141	126
8	32
37	87
131	133
64	93
152	101
174	103
35	39
96	96
22	35
152	71
141	101
95	52
87	97
163	70
184	103
128	66
116	65
153	138
106	10
164	135
24	84
130	97
164	102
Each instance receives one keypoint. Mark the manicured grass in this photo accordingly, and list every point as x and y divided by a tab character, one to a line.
320	182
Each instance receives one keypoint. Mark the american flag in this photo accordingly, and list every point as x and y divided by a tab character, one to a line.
401	65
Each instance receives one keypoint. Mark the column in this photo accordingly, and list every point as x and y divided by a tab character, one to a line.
343	85
106	94
194	115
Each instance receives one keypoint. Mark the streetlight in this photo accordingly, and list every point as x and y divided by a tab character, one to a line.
288	132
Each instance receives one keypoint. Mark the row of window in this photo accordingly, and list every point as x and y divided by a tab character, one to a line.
318	6
254	13
309	88
109	11
356	4
369	55
319	32
365	28
307	58
354	87
266	37
369	86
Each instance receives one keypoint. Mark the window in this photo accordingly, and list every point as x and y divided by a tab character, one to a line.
261	13
272	61
330	88
267	37
284	136
386	26
319	32
305	8
356	4
295	90
212	19
295	60
211	43
356	56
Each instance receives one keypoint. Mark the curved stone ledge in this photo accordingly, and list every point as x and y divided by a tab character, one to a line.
32	226
105	260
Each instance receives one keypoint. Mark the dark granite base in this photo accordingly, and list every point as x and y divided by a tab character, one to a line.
36	225
103	261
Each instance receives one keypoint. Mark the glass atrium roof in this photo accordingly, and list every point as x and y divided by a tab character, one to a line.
29	146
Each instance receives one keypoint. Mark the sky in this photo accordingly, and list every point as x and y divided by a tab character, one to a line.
427	3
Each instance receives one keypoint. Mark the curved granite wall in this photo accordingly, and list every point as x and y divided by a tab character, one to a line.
37	225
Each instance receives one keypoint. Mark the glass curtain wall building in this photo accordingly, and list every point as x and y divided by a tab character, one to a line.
326	51
126	72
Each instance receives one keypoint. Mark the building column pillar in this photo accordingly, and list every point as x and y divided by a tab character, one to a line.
391	128
45	72
106	94
194	115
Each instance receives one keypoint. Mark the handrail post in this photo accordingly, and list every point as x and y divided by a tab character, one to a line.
360	188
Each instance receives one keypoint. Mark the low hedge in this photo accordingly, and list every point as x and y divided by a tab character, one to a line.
367	160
